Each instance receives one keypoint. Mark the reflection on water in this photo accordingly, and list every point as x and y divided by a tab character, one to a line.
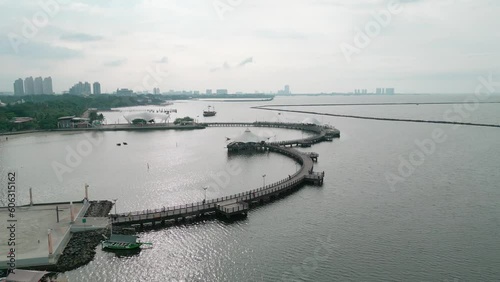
439	224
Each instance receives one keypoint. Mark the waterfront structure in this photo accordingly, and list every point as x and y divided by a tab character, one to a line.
72	122
247	140
208	92
29	86
96	88
221	91
47	86
38	86
18	87
148	117
124	91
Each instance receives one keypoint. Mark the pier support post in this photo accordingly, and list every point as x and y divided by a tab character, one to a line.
49	237
31	197
86	191
71	212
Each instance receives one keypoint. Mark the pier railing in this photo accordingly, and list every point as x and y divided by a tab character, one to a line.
227	203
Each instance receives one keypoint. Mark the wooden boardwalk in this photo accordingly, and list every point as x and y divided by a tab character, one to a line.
239	204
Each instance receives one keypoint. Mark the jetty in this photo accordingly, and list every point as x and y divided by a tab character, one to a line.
238	205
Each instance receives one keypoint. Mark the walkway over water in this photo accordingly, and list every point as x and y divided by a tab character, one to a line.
238	204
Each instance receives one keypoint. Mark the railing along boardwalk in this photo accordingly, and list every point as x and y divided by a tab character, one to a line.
238	204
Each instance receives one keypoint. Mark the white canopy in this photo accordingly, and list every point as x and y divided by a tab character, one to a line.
311	121
248	137
147	116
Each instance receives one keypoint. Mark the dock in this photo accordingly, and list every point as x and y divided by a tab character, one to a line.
238	205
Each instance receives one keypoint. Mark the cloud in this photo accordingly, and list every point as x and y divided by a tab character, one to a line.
81	37
163	60
245	61
40	51
226	66
280	34
115	63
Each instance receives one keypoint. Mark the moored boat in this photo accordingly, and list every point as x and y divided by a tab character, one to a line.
210	112
122	242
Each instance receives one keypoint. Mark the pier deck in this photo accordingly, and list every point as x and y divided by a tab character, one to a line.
239	204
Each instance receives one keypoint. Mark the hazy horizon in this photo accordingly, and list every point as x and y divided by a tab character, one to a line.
414	46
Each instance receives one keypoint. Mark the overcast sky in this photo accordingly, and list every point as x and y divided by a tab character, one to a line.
427	46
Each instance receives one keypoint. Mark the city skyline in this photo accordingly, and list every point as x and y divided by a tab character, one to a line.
179	46
30	86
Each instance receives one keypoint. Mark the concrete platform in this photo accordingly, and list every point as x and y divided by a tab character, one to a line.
31	238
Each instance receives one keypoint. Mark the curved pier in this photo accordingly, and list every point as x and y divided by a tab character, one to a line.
239	204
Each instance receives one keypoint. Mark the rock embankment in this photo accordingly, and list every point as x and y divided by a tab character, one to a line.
99	209
81	248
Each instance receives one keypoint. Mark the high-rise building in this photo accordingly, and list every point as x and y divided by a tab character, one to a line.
86	88
221	91
389	91
287	90
96	88
18	87
76	89
47	85
208	92
38	86
29	86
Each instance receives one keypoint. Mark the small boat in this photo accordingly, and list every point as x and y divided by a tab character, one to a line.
122	242
125	143
118	144
210	112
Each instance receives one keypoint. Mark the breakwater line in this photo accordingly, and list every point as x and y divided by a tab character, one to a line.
377	104
380	118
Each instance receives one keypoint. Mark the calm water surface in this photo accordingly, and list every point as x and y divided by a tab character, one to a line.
439	223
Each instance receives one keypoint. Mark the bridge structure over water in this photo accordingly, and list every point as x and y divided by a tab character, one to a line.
237	205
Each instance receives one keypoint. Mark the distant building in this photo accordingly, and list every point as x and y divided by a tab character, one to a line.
38	86
47	85
208	92
221	91
96	88
29	86
156	90
287	90
378	91
18	87
389	91
124	91
76	89
196	92
86	88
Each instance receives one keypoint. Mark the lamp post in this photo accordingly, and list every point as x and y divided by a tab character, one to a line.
114	200
205	198
264	180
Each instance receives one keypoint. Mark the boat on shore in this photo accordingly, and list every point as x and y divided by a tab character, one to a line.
122	242
210	112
